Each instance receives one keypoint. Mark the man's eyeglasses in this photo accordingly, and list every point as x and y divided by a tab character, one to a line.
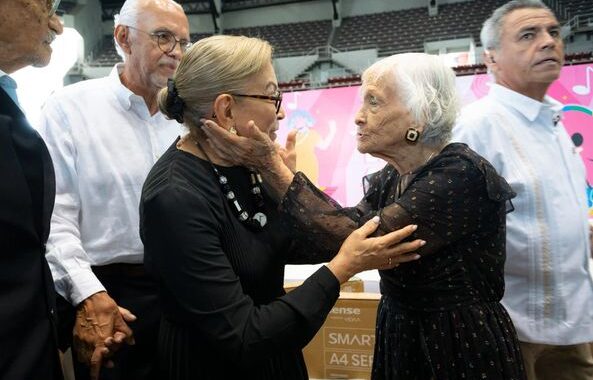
52	6
277	98
166	40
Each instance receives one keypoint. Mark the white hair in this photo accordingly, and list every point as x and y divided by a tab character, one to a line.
426	87
129	14
492	28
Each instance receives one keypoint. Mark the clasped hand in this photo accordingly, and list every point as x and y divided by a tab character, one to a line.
361	251
100	330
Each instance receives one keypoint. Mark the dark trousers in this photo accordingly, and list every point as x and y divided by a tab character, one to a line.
134	290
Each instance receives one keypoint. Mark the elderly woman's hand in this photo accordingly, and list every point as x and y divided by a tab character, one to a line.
253	148
359	252
288	152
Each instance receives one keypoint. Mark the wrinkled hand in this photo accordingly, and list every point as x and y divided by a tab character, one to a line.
359	252
250	148
288	152
100	329
114	343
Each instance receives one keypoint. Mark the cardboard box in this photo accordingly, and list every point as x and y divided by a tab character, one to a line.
355	284
343	347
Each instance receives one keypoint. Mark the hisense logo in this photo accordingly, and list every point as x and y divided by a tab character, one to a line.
345	311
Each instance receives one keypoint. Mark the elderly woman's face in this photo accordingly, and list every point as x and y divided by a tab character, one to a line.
261	111
382	119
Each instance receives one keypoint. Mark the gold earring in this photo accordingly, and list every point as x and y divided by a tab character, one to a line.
233	130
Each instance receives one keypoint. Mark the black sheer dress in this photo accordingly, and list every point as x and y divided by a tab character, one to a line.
226	315
440	316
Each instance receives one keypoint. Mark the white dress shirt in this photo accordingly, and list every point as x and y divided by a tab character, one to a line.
103	142
549	290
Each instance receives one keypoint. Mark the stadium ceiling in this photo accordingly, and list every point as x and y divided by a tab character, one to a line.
112	7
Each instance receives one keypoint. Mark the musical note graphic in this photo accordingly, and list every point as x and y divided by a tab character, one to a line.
585	89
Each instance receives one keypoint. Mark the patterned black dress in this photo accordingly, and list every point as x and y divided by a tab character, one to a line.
440	316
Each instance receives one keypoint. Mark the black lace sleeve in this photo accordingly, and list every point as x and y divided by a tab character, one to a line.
450	200
319	224
452	196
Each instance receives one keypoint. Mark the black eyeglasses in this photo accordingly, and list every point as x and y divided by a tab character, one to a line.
166	40
52	6
277	98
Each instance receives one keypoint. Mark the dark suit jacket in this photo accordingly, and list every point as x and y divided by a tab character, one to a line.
28	348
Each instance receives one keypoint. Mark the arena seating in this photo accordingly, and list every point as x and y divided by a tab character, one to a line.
106	54
344	80
575	7
580	57
294	85
290	39
407	30
478	68
389	32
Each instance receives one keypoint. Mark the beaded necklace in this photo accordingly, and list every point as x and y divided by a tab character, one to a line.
259	219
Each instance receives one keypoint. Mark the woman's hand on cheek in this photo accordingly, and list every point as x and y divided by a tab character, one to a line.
288	152
250	147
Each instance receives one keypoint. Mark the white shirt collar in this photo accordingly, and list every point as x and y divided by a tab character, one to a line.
528	107
125	96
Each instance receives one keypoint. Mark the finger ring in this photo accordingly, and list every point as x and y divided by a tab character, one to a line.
389	261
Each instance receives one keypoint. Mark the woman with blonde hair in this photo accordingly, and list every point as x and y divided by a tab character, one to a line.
216	243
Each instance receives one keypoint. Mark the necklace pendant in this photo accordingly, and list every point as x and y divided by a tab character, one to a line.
243	216
260	218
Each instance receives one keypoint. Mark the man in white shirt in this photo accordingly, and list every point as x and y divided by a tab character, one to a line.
104	135
549	292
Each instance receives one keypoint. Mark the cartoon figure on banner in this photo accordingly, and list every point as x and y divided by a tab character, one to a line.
574	91
578	121
308	140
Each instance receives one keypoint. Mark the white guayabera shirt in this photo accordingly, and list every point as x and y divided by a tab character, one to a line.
103	142
549	290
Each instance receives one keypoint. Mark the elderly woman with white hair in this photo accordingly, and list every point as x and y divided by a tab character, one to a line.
440	316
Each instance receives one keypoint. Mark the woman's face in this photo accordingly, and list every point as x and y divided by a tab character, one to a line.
382	119
261	111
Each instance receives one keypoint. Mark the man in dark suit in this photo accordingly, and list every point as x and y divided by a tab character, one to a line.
28	347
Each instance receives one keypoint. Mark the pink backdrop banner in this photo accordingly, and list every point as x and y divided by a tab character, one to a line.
326	143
